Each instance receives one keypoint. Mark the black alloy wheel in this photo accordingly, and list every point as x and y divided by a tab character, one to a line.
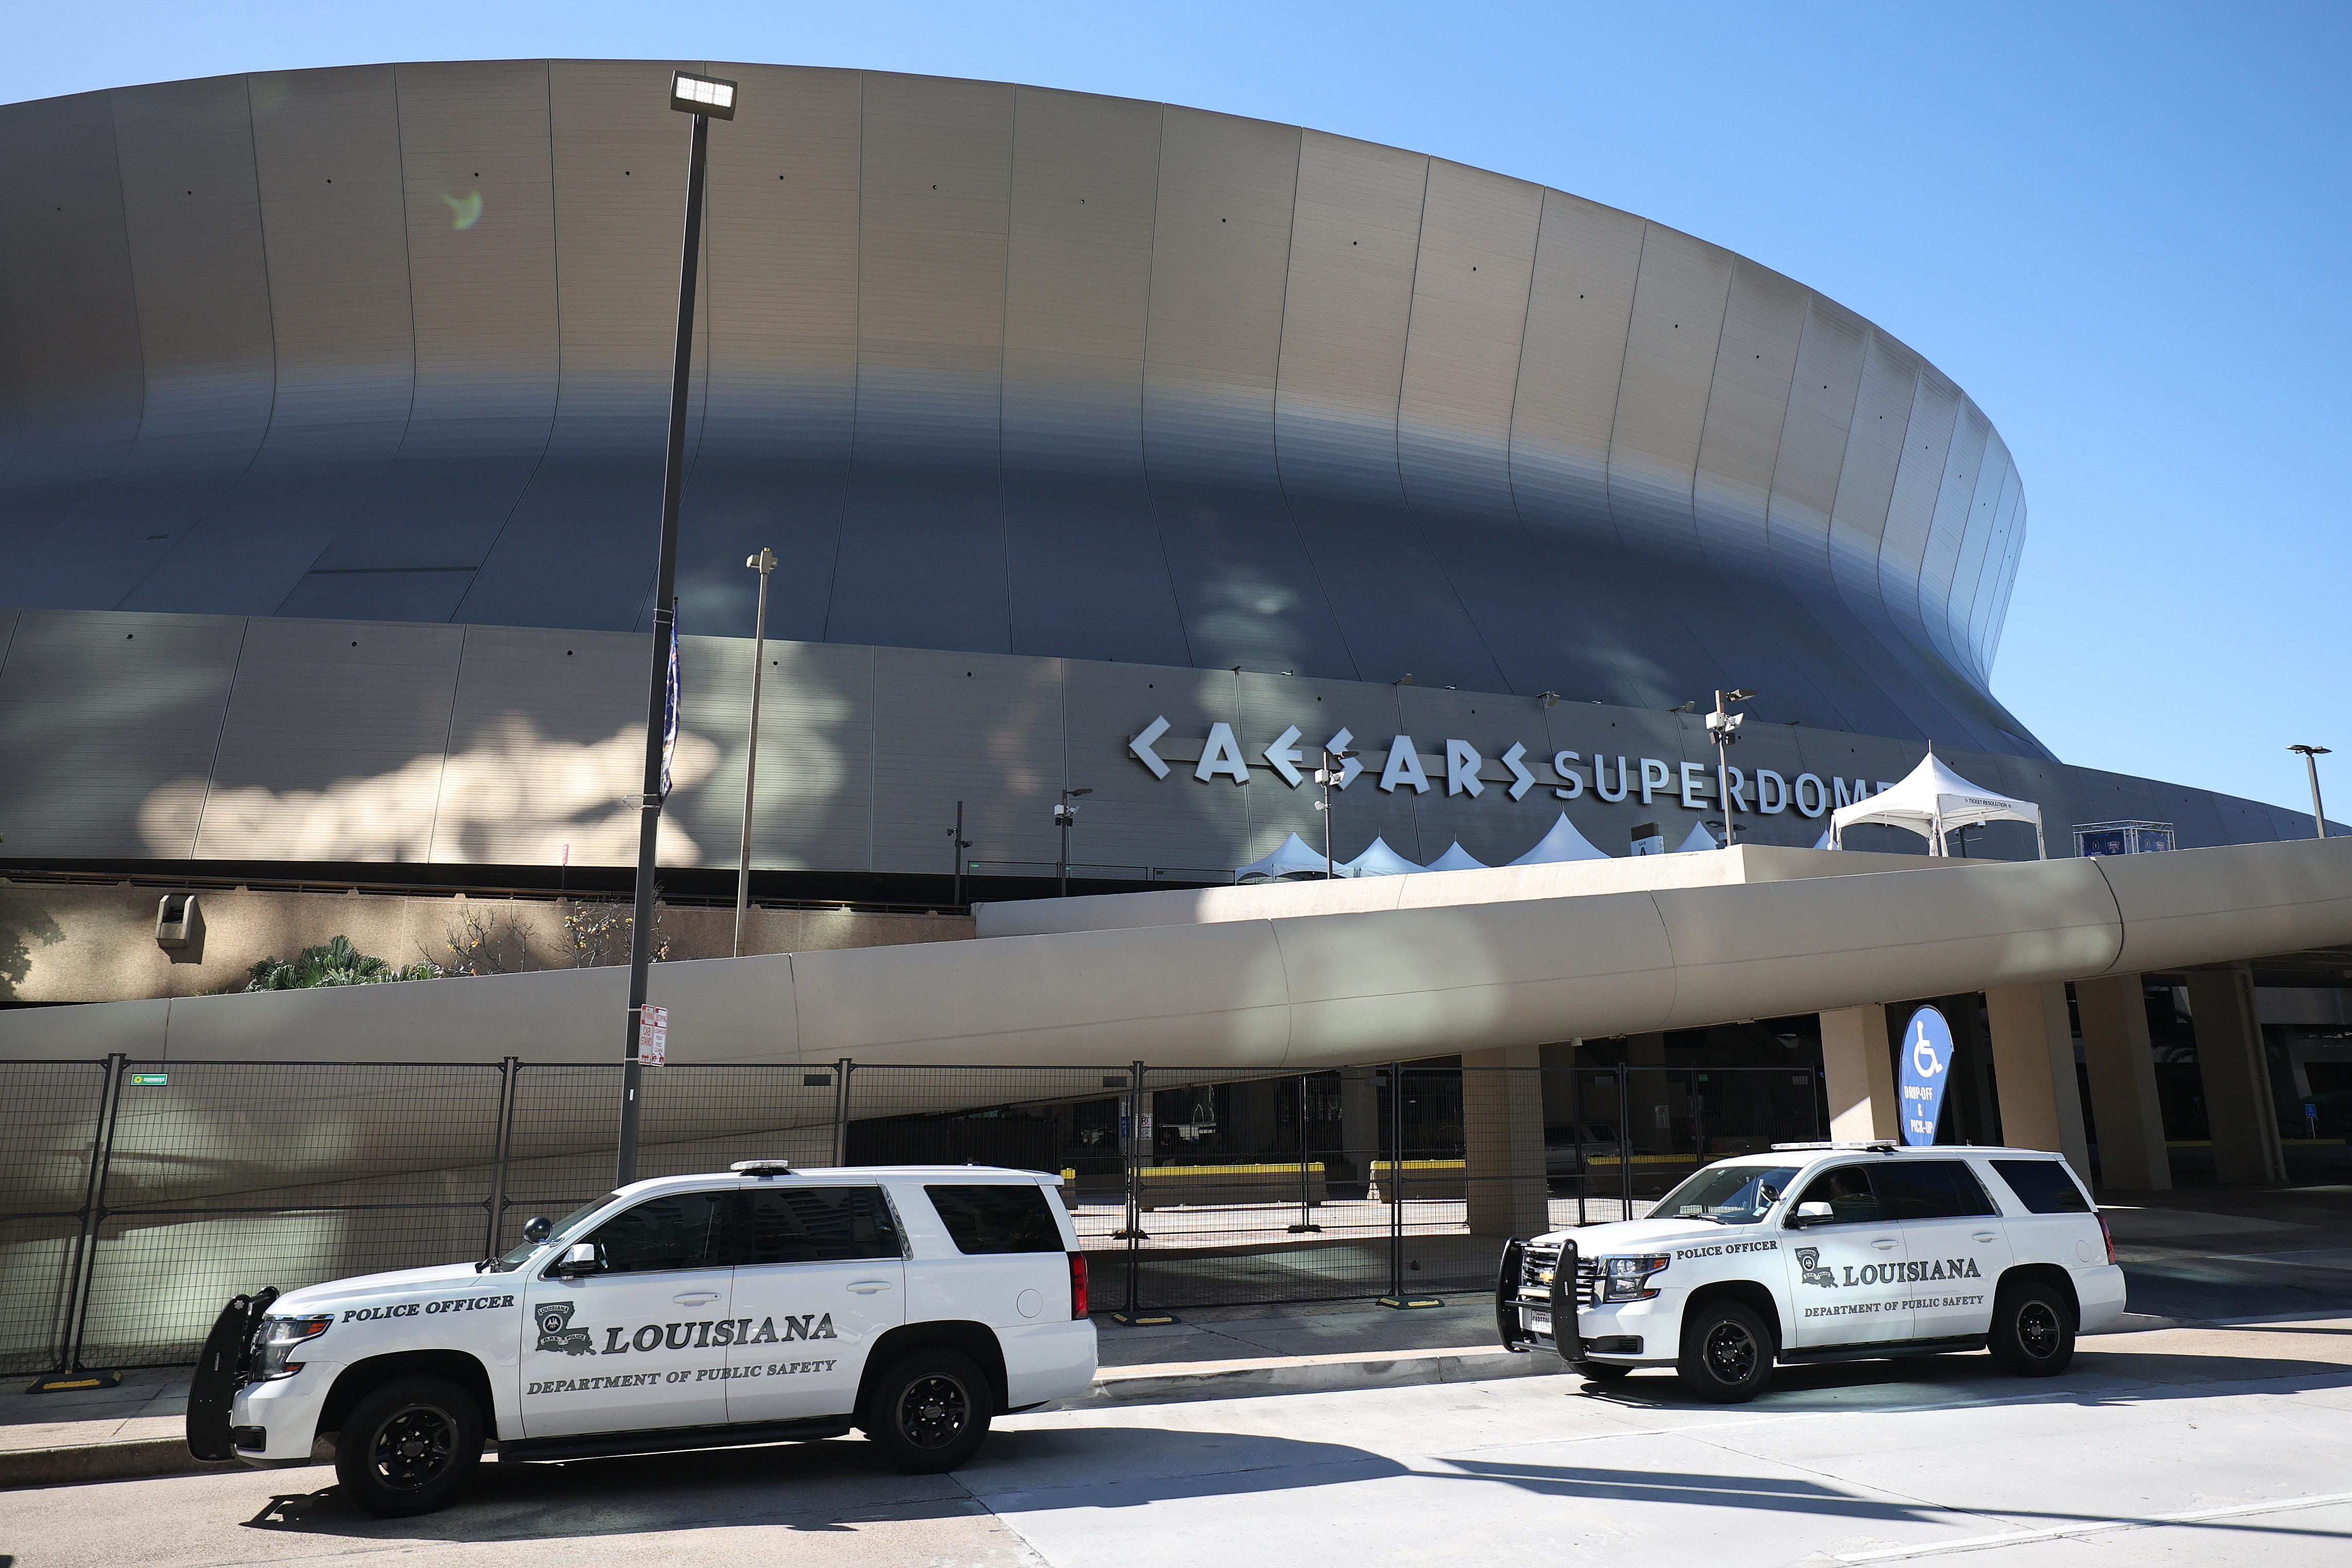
407	1447
933	1411
929	1411
2033	1329
1726	1356
414	1447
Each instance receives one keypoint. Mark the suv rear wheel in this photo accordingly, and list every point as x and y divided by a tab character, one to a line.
2033	1329
1726	1356
407	1447
929	1411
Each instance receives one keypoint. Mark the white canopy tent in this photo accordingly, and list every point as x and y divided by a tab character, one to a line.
1292	862
1379	860
1933	801
1455	858
1699	839
1563	844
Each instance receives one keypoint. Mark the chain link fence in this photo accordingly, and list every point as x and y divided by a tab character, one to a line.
143	1194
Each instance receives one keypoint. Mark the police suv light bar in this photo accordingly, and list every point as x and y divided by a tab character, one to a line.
1875	1146
762	1167
693	94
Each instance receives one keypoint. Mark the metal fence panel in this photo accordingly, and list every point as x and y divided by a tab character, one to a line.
50	1117
143	1194
219	1177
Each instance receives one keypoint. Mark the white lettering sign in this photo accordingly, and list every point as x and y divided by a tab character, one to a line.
1467	771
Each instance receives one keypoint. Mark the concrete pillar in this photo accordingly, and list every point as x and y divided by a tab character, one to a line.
2240	1109
1859	1064
2122	1068
1250	1108
1503	1135
2033	1071
1651	1104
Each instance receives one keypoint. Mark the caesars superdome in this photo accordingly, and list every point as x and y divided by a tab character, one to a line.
331	455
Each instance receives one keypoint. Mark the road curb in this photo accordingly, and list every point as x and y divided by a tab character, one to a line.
1173	1383
103	1462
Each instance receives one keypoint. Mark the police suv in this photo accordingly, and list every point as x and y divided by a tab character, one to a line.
763	1305
1815	1252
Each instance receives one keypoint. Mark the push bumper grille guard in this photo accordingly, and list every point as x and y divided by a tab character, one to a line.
1509	1279
223	1366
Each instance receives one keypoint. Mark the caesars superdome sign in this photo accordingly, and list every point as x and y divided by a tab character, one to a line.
1464	771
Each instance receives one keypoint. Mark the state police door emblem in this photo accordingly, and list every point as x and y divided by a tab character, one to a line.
555	1334
1809	1262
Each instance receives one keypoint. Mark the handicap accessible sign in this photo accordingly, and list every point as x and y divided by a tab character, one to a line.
1926	1067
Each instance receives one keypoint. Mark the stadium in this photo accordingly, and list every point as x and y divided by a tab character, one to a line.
1105	448
333	443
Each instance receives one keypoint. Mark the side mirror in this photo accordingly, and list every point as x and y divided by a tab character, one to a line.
580	1258
538	1229
1812	1213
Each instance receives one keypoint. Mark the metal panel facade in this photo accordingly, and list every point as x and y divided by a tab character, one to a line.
997	368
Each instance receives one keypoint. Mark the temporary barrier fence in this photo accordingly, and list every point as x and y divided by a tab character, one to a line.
143	1194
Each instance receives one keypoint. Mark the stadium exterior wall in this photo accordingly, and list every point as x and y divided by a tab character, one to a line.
154	737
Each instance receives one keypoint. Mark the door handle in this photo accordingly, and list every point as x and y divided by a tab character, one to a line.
1883	1245
1987	1235
695	1298
868	1287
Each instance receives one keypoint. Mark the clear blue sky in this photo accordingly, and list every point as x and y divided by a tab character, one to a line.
2121	228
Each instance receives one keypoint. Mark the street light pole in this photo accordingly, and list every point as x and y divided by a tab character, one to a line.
763	563
1723	725
704	98
959	843
2311	755
1327	775
1064	815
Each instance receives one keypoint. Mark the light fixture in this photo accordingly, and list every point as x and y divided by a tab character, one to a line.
690	93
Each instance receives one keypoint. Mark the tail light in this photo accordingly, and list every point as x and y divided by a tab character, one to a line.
2108	1235
1077	1285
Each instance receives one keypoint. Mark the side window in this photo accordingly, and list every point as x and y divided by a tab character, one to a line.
1001	1218
677	1230
1848	1192
2044	1186
815	1224
1931	1189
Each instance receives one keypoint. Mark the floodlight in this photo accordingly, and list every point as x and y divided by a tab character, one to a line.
693	94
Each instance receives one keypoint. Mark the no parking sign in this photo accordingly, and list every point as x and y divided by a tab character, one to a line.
1926	1067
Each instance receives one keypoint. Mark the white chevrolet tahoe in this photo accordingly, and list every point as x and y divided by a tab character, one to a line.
1814	1253
764	1305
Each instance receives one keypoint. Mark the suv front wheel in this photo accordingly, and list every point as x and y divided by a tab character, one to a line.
1726	1356
929	1411
406	1448
2033	1329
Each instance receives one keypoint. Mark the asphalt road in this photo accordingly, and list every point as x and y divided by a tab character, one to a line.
2210	1447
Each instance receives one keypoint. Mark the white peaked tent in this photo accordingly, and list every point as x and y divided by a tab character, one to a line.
1455	858
1933	801
1700	838
1379	860
1292	862
1563	844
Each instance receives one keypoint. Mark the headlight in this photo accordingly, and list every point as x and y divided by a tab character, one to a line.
282	1337
1628	1278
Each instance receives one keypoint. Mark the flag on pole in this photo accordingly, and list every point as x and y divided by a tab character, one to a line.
670	705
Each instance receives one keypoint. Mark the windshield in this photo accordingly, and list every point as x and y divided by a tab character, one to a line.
521	1255
1728	1195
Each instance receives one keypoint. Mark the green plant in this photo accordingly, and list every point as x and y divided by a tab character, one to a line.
335	963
